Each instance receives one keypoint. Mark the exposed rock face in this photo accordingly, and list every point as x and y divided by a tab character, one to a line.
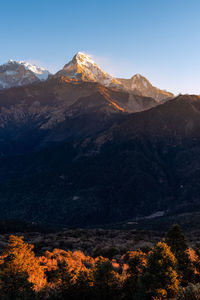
141	86
20	73
82	67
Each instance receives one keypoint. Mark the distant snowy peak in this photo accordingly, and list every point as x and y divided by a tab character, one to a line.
39	72
17	73
82	67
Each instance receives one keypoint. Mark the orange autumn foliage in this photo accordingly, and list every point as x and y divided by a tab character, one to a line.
19	258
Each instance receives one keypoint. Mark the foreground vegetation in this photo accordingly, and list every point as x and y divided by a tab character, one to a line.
170	270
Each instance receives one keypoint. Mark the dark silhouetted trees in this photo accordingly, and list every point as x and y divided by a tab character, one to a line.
177	242
160	278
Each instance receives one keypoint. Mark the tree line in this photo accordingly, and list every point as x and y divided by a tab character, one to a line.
170	270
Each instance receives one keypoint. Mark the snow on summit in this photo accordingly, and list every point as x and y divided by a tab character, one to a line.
17	73
39	72
84	59
83	67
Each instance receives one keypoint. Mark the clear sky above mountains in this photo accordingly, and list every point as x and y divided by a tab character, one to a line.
159	39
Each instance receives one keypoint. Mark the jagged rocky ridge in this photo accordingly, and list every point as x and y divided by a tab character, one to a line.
141	86
80	68
18	73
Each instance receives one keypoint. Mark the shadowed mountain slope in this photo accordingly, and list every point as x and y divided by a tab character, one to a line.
138	165
30	114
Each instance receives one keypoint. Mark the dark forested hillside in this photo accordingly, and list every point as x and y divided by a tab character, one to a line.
137	165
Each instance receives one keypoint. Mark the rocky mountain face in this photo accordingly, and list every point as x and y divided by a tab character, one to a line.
139	85
83	68
18	73
80	68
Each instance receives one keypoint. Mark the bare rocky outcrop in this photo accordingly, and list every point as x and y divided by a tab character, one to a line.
139	85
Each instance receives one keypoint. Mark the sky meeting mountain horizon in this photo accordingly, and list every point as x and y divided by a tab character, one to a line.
157	39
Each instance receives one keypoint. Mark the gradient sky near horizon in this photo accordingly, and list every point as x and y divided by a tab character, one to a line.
159	39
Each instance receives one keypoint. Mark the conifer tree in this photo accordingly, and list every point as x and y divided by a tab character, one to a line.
136	261
160	279
107	282
178	244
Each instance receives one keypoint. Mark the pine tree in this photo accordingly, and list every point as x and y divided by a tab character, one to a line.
136	261
160	279
178	244
107	282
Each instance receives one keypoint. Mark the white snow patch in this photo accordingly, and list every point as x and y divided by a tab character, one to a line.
92	71
39	72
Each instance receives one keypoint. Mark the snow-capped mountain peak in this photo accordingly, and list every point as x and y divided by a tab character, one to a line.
83	67
39	72
84	59
17	73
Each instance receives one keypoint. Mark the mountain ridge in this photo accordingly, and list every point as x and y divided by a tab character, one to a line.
81	68
141	86
19	73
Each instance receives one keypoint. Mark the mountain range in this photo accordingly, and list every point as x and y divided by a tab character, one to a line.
82	148
80	68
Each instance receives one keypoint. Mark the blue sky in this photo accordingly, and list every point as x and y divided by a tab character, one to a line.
159	39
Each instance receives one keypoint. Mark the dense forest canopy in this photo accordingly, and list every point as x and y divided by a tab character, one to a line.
170	270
